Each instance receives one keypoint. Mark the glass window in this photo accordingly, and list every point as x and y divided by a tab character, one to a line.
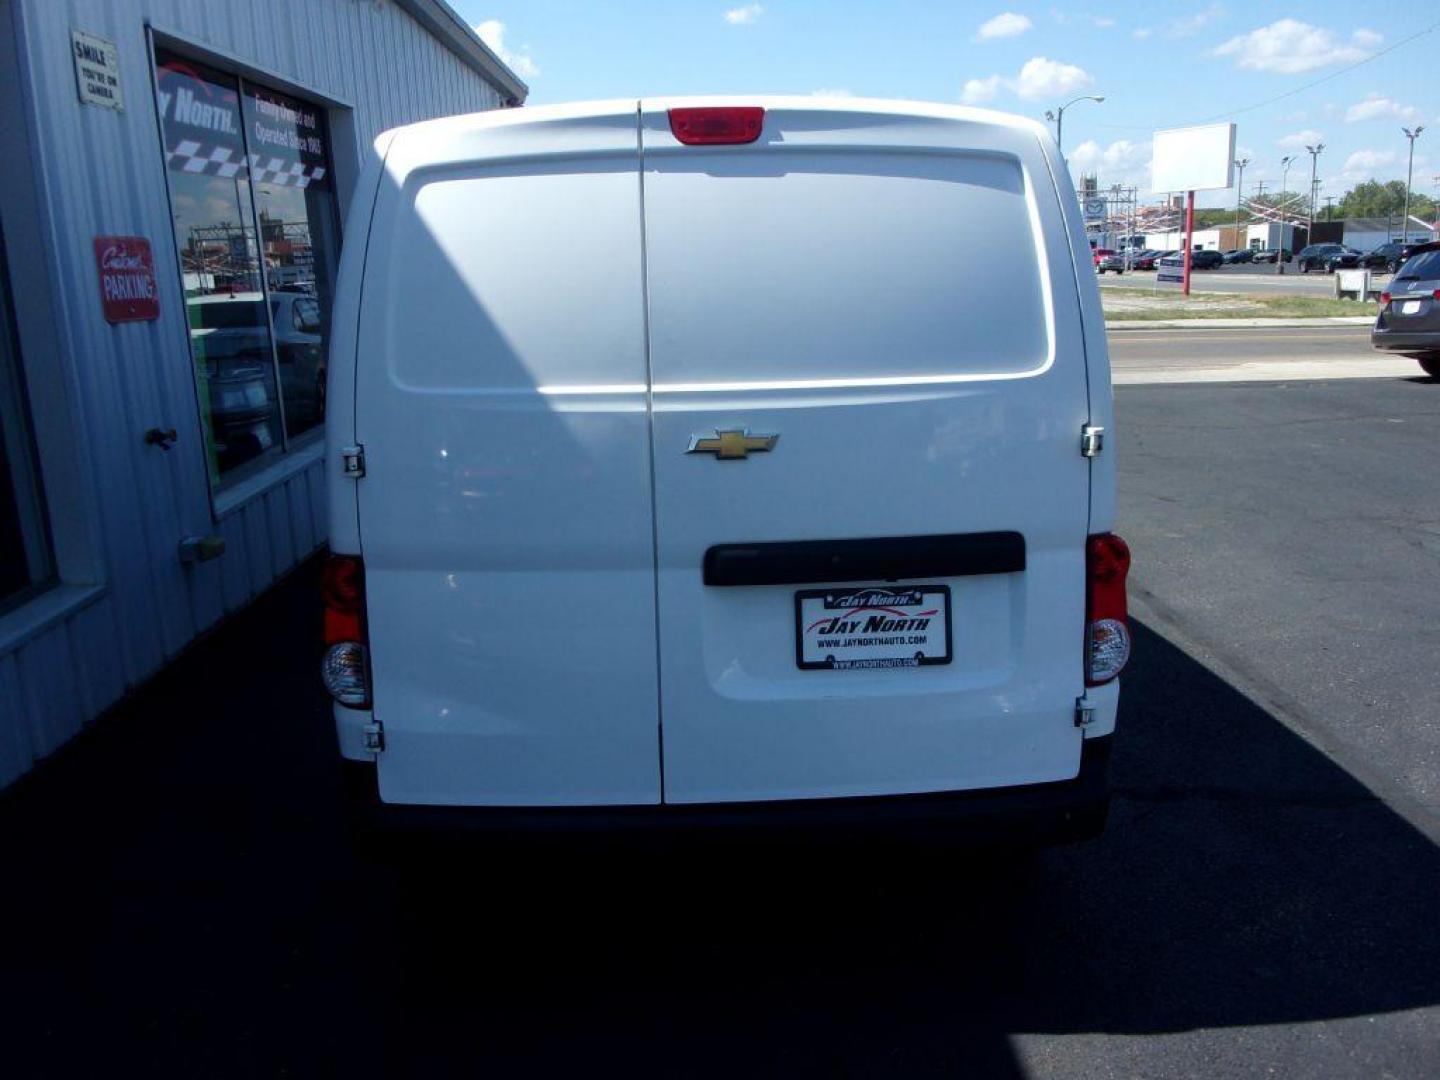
254	210
24	542
296	202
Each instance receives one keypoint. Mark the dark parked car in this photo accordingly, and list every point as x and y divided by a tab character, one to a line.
1267	255
1147	259
1327	257
1206	260
1409	320
1387	257
1239	255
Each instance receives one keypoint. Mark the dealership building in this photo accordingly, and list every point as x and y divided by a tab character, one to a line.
171	214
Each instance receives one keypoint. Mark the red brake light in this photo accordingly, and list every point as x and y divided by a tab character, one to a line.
719	125
1107	631
345	670
342	590
1384	298
1436	294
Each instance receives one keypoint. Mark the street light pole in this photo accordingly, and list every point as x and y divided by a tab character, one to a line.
1240	164
1285	164
1059	116
1314	158
1409	175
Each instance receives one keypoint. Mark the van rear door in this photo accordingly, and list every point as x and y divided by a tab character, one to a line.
891	299
505	514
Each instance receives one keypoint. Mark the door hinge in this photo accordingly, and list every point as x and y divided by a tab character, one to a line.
352	461
1092	440
374	733
1084	713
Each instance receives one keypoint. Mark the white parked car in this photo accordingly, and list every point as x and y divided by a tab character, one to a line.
723	462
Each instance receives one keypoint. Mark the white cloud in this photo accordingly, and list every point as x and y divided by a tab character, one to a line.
1038	79
1291	47
1122	162
1006	24
1140	33
1376	107
1362	164
1190	25
744	16
492	32
1298	140
1044	78
979	91
1102	22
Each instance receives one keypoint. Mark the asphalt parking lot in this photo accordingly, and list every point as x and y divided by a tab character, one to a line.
1265	901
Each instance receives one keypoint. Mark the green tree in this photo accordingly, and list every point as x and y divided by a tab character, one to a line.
1374	199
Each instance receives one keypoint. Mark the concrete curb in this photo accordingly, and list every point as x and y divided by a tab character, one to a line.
1240	324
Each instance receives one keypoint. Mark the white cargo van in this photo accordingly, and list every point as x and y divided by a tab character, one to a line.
700	461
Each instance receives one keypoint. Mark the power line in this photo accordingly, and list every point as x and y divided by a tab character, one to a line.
1288	93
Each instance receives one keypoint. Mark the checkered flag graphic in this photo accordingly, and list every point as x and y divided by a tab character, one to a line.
295	174
195	157
191	156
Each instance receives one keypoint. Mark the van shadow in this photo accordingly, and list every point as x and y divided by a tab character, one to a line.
1245	879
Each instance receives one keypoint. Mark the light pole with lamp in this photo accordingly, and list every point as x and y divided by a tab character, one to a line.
1409	175
1314	152
1058	115
1285	164
1240	164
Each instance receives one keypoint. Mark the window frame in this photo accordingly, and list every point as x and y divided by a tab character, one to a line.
30	462
247	481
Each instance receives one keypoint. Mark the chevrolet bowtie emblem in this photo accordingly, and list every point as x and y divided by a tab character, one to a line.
730	445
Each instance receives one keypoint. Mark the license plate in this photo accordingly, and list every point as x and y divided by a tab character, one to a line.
1410	307
872	627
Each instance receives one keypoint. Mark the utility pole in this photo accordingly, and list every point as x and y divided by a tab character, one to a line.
1409	175
1329	205
1240	164
1314	152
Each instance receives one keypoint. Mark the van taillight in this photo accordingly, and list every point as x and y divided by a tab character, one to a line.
715	126
1384	298
346	667
1107	631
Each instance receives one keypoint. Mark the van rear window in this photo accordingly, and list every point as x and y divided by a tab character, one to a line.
809	265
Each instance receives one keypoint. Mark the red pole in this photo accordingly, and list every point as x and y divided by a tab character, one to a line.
1189	233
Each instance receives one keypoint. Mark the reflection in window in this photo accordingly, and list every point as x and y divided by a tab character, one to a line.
254	216
295	197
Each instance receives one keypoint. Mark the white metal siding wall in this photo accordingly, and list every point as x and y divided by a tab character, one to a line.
101	173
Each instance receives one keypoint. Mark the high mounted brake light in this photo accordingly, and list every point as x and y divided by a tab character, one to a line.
717	125
346	667
1107	629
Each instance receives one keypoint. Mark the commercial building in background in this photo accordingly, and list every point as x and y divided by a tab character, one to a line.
1366	234
171	214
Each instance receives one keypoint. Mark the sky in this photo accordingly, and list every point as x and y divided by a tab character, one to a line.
1288	75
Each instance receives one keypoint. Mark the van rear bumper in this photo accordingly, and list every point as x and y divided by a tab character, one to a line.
1032	814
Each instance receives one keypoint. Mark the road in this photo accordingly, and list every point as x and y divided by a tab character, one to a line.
1238	279
183	901
1197	355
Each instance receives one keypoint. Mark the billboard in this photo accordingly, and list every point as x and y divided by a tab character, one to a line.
1193	159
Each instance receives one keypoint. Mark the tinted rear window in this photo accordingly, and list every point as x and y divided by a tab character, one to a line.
1425	267
805	265
230	315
